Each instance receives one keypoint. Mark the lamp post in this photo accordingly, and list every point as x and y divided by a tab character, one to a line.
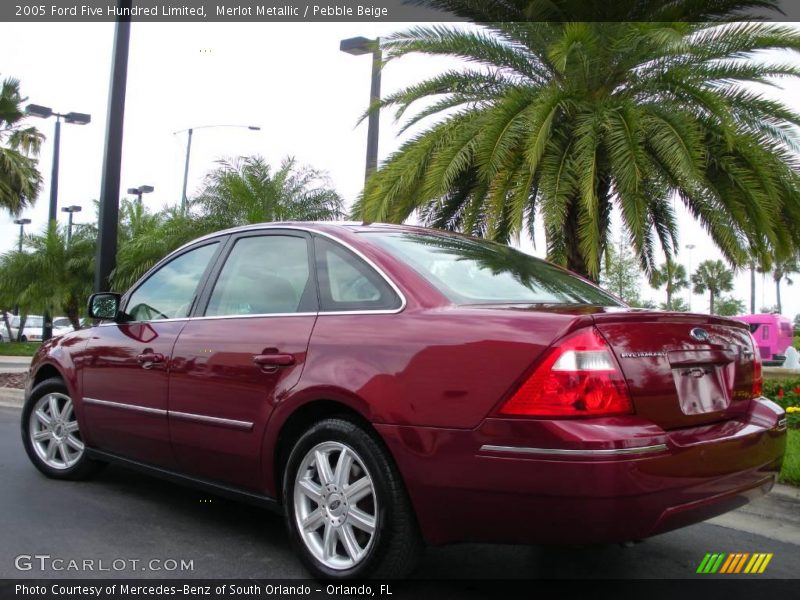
138	191
70	210
690	247
358	46
190	133
45	112
21	223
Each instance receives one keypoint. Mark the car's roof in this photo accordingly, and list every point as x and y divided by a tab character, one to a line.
321	226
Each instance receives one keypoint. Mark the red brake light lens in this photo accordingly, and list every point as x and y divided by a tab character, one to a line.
578	378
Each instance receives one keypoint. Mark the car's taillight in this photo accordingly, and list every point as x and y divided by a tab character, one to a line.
758	377
578	378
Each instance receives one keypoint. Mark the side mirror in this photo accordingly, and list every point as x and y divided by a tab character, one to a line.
104	306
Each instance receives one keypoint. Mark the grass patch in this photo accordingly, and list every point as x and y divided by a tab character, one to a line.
19	348
790	473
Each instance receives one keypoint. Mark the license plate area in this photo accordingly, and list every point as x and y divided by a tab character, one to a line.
701	389
702	380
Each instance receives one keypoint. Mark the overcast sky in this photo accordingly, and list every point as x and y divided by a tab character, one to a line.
290	79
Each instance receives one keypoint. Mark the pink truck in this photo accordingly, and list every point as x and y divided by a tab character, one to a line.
773	334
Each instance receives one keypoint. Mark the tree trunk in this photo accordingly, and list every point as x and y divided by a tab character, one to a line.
73	315
752	289
7	323
711	301
778	293
22	319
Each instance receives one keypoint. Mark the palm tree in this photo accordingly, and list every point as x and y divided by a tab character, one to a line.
19	178
780	271
51	275
248	190
673	276
239	192
714	276
569	120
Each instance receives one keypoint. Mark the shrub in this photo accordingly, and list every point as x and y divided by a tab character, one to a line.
787	394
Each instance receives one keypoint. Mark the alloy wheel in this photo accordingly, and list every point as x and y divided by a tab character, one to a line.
54	433
335	505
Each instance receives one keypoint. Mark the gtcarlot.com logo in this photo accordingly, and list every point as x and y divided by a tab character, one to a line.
734	563
46	562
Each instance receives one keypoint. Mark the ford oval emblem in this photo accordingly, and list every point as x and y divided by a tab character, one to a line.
699	334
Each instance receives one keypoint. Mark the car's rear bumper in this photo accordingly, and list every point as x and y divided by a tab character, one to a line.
583	481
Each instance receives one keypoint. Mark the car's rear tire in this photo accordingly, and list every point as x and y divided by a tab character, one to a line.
23	339
351	519
51	433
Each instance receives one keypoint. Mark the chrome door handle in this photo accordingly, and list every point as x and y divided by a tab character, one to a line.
148	359
274	360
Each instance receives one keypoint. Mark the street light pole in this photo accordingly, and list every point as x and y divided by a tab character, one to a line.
21	223
138	191
358	46
690	247
70	210
108	217
186	169
46	112
190	132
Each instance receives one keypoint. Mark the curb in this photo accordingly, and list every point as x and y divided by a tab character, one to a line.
11	397
15	359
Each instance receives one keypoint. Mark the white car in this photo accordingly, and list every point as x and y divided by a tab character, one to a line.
32	332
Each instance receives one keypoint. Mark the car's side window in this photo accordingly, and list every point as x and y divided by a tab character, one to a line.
347	283
264	274
169	292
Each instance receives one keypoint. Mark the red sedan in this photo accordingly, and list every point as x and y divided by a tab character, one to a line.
387	387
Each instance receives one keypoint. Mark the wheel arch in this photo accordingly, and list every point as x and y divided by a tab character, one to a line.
299	420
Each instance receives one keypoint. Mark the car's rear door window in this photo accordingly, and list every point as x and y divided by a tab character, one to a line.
263	275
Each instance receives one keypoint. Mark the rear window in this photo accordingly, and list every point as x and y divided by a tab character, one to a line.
470	271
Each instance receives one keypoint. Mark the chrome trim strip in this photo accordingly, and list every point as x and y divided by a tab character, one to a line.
133	407
233	423
566	452
205	419
782	424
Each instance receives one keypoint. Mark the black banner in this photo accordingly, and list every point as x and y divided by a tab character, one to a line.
247	589
393	10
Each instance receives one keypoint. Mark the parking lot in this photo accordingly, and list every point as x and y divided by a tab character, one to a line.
156	529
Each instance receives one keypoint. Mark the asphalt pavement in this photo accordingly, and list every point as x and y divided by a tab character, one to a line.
123	516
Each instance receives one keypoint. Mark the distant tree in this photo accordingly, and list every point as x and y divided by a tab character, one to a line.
728	306
620	274
780	272
714	277
248	190
639	303
672	275
51	275
797	323
678	305
768	310
19	177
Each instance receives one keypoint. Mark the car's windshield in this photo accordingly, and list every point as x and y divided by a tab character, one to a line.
470	271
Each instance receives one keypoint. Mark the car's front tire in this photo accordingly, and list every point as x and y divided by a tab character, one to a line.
51	433
347	510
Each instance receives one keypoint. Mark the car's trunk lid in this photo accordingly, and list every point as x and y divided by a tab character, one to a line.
682	369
